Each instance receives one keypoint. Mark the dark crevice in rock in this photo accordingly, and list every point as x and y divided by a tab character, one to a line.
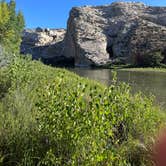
109	49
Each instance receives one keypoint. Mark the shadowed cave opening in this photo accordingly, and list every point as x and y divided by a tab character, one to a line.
109	50
164	55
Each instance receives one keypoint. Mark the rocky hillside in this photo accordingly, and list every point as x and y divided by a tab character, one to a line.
122	32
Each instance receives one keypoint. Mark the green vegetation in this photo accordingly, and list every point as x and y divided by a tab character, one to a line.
11	26
150	60
155	59
50	116
145	69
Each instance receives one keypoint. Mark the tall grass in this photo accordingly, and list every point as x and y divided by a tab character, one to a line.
50	116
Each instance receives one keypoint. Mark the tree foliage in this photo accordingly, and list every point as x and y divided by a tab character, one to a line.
149	60
11	26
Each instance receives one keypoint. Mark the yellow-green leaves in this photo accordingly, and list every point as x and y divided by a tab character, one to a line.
11	26
4	13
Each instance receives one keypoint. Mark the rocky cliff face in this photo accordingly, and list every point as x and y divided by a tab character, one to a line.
104	34
44	44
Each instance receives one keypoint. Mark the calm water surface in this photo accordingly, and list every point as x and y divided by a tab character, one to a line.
147	82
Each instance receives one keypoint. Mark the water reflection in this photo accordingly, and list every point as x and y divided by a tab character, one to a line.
147	82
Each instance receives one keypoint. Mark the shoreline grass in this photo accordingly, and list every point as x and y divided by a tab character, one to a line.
148	69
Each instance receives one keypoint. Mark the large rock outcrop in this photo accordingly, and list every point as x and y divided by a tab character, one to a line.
45	44
123	31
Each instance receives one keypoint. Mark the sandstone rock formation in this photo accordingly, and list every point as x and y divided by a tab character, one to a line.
102	34
44	44
120	32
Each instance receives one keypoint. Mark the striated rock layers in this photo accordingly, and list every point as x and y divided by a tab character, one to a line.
99	35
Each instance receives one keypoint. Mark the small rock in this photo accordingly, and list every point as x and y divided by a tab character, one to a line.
38	29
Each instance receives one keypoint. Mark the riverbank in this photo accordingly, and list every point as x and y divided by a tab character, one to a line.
148	69
50	115
148	82
128	67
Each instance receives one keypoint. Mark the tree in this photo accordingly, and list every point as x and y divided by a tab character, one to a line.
4	19
20	21
149	60
11	26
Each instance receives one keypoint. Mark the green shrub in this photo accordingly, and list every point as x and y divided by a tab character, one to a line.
149	60
53	117
4	82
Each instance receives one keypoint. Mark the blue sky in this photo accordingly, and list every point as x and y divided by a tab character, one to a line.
54	13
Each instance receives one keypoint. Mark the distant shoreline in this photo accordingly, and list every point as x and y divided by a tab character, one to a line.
141	69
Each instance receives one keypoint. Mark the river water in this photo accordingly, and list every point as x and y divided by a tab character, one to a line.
147	82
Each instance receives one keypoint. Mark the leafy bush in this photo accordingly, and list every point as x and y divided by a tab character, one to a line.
149	60
53	117
4	82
